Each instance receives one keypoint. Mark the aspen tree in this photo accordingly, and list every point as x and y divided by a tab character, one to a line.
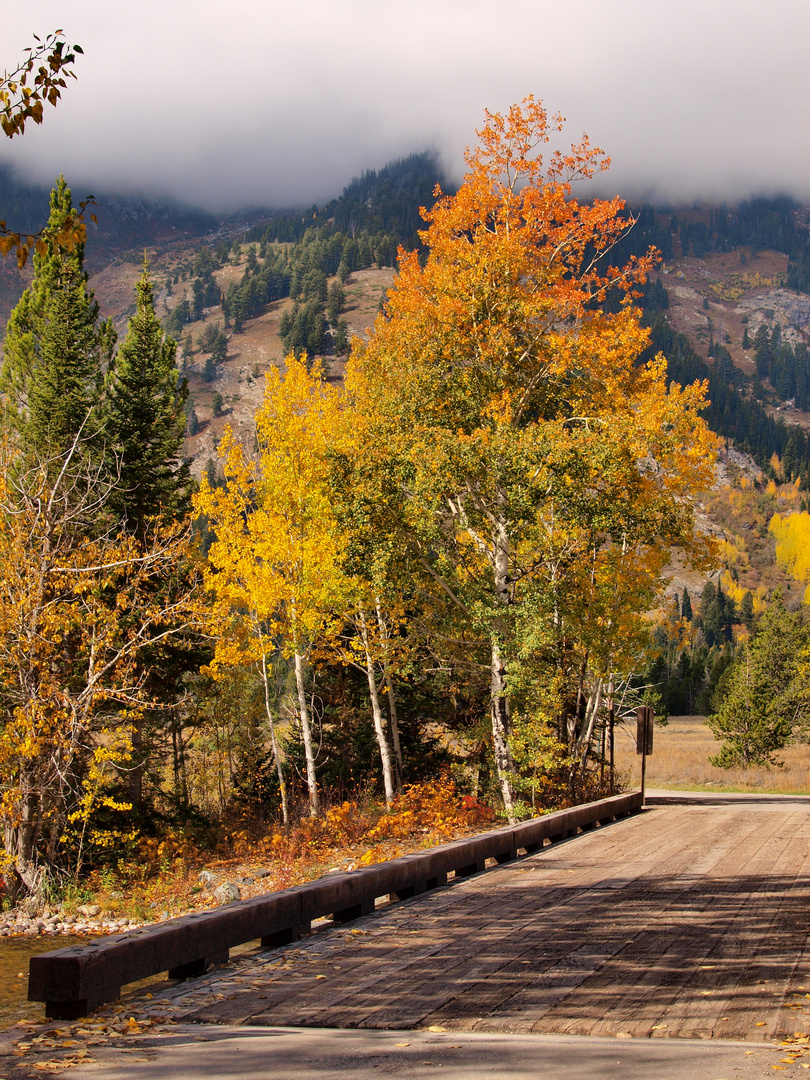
78	609
275	568
535	456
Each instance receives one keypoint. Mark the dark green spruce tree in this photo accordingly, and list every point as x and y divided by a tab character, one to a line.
144	422
762	697
55	349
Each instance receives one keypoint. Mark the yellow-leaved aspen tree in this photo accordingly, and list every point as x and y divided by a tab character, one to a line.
79	609
275	568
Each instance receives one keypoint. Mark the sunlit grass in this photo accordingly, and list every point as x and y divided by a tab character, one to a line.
681	761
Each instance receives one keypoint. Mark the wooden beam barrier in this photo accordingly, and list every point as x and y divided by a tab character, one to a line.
74	981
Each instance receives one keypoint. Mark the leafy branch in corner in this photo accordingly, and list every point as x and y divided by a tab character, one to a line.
40	77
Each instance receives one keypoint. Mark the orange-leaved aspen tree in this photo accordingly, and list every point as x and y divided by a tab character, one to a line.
275	567
510	401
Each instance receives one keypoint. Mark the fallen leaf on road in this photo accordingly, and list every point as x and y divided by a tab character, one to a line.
436	1027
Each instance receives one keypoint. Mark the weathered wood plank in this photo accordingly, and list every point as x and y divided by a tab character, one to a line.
675	917
74	981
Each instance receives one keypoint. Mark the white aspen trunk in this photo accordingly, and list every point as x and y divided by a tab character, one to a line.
306	735
282	787
392	705
585	741
392	710
376	712
501	730
499	698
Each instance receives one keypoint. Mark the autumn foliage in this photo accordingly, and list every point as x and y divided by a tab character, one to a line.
475	523
543	471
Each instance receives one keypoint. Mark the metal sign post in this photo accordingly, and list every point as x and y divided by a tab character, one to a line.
645	721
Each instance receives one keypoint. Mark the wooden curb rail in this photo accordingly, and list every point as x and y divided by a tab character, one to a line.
72	982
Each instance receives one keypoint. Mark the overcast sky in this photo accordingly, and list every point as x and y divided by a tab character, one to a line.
228	103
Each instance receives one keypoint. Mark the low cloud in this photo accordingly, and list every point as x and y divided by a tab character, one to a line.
254	103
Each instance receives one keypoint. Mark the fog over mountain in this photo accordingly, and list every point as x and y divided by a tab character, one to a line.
267	103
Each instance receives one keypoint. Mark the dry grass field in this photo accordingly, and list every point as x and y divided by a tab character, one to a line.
681	761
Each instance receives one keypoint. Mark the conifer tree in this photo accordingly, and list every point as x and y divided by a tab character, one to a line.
144	425
764	693
686	607
55	349
747	609
145	420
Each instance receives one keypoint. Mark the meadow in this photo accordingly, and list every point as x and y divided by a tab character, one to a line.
680	761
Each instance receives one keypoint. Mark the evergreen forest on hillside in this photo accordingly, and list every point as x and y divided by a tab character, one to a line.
295	255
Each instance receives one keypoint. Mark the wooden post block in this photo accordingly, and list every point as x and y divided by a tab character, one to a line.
192	968
409	891
356	911
286	936
471	868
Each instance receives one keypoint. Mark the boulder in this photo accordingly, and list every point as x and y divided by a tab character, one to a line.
226	893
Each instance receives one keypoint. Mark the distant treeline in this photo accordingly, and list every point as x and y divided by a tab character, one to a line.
121	221
23	207
379	202
736	411
786	366
759	224
733	411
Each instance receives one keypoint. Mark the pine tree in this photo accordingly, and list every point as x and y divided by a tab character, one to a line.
747	609
764	695
55	349
145	420
686	607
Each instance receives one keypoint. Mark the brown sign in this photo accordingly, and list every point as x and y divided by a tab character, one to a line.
645	721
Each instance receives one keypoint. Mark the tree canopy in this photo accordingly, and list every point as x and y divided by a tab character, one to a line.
544	471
